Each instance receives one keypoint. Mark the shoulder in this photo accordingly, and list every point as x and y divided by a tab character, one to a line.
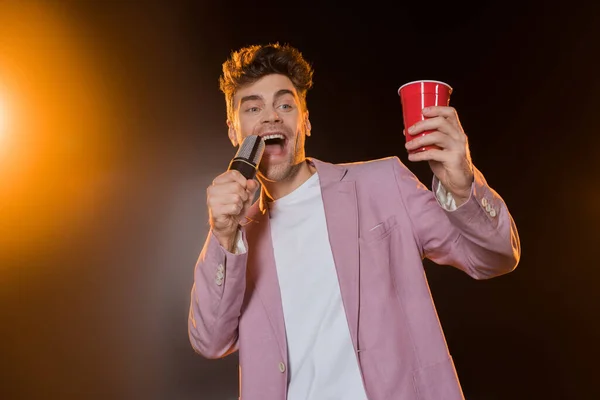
382	173
376	170
377	166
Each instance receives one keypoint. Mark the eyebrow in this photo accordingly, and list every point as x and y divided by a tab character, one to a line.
257	97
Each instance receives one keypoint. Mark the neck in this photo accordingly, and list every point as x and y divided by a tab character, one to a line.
276	190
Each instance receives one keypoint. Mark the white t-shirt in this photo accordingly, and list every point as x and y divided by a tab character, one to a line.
322	363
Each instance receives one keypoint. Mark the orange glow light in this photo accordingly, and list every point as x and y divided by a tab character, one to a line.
3	118
56	127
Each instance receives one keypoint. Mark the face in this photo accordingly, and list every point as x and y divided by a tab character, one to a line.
271	108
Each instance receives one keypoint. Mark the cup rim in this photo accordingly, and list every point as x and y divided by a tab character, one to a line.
424	80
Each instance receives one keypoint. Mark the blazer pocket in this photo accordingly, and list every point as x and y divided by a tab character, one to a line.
380	230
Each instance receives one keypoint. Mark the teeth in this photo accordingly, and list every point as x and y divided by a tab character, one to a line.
273	136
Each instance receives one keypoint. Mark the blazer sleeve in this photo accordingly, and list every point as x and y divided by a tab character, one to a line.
479	237
216	299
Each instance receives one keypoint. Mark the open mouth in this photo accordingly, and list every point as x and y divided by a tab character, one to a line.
274	143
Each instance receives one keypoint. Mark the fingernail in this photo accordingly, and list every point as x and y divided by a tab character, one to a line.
426	109
411	129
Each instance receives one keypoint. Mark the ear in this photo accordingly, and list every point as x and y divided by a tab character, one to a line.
307	125
232	134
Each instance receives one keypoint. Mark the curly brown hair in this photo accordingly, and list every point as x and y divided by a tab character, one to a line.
249	64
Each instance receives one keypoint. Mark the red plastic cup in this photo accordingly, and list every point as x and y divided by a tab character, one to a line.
414	97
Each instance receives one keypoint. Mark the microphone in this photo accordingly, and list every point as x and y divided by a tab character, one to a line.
248	156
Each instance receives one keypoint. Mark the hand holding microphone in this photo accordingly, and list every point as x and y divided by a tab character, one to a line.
231	193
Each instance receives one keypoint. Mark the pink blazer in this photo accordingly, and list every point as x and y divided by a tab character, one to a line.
382	222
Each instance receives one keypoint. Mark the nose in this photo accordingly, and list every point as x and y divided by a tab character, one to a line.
271	115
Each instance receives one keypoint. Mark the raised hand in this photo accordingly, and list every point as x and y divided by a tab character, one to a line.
451	163
228	199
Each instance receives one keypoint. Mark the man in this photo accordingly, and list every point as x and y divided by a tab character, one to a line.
320	283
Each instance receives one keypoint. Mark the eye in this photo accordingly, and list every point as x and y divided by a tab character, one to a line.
286	106
252	109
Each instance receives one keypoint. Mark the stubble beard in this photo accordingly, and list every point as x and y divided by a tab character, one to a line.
280	172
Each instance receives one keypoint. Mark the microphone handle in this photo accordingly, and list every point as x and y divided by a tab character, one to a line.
246	168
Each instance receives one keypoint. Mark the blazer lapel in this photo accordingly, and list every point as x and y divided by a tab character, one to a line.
341	214
263	273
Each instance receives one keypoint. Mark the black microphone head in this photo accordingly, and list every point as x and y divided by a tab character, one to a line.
251	149
248	156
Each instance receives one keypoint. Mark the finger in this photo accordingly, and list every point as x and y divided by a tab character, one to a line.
230	176
430	155
229	209
221	192
436	123
443	111
233	209
251	185
235	198
251	196
225	188
434	138
220	205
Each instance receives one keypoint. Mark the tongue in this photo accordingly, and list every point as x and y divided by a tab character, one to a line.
274	149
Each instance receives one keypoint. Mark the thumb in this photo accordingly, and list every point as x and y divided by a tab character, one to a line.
251	186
